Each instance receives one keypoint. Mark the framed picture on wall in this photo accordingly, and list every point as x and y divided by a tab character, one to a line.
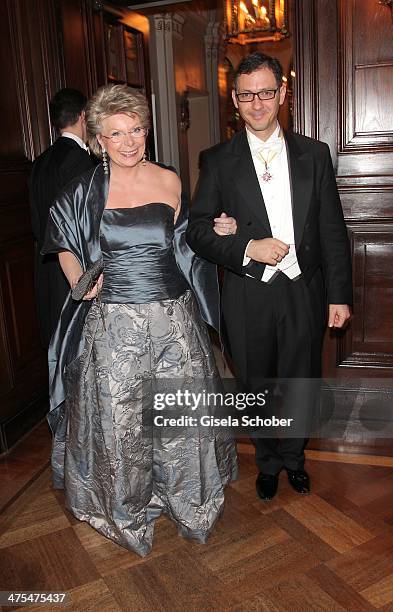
114	52
133	53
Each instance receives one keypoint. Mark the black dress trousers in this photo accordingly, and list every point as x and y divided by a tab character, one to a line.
285	323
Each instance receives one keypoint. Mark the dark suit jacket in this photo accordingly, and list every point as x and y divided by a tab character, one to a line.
228	183
51	171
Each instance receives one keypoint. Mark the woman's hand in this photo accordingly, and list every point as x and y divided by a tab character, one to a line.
224	225
96	289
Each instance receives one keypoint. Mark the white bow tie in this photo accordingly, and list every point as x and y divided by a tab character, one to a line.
275	145
268	153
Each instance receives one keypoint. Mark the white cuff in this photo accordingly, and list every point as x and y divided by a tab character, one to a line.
246	259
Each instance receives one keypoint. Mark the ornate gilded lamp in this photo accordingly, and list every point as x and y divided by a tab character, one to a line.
388	3
252	21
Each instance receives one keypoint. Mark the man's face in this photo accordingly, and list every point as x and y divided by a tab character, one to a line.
260	116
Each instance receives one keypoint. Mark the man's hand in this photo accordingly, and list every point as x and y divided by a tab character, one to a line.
224	225
268	251
339	314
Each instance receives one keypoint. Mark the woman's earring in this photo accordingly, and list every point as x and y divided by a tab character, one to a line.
144	158
105	161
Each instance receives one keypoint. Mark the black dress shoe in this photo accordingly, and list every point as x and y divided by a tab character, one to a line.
299	481
266	486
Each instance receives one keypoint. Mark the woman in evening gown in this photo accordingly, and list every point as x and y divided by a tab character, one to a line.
141	322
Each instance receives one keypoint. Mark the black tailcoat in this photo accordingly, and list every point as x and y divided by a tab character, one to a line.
51	172
228	183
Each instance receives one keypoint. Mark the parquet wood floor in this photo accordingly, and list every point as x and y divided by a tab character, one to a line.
25	461
330	551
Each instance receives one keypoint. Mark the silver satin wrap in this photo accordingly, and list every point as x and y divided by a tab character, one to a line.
116	477
74	225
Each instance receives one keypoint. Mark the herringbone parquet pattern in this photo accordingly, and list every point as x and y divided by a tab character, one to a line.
332	550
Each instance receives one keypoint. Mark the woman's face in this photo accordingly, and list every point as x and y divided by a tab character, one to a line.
124	139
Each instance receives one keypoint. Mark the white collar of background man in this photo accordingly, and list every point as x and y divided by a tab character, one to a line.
76	138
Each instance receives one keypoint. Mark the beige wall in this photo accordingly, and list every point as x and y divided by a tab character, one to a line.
190	75
198	135
189	54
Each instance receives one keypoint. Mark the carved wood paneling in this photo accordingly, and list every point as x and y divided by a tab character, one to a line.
367	76
370	342
45	69
367	202
14	142
348	65
18	295
5	361
77	25
373	117
99	48
305	92
31	73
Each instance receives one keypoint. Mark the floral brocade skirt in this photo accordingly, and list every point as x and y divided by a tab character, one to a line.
117	476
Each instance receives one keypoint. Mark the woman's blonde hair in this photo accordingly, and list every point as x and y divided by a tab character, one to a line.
111	100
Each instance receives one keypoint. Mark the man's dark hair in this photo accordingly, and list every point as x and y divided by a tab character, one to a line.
255	61
66	106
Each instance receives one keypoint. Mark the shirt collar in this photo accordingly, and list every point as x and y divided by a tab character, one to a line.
256	143
76	138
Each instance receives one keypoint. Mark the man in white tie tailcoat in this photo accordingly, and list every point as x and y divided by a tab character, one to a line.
287	267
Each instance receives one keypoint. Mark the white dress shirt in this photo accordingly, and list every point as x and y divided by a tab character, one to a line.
277	197
77	139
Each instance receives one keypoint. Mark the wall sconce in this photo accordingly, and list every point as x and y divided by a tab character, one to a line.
252	21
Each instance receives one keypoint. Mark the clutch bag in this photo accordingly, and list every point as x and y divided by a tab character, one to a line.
87	280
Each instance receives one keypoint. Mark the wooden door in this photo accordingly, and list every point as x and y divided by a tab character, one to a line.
344	96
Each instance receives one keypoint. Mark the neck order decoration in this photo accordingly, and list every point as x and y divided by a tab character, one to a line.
271	154
267	155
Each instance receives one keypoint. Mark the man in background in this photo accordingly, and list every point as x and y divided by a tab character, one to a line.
66	159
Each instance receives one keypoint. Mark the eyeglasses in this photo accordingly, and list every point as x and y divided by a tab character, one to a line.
119	136
249	96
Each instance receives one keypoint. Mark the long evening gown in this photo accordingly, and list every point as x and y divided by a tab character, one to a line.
147	325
